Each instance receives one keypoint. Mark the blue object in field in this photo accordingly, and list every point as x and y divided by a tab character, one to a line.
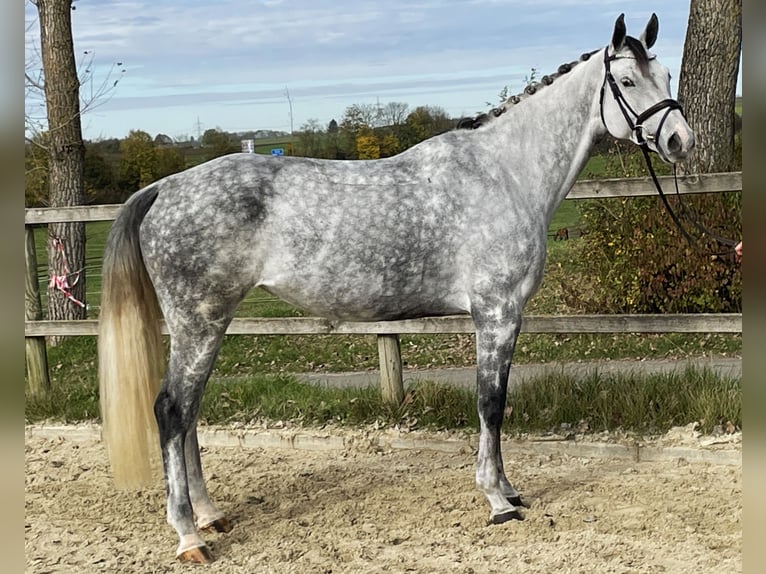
278	151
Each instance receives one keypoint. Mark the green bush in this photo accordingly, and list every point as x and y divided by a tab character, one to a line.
640	261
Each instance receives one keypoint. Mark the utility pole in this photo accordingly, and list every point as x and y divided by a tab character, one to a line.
290	102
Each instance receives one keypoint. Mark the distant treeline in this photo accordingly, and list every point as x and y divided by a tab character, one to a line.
116	168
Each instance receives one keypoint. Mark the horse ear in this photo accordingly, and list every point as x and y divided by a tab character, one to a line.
618	36
649	35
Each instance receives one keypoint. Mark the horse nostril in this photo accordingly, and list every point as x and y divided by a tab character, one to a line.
674	144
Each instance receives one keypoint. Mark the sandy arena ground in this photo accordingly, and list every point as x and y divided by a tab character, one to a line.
369	511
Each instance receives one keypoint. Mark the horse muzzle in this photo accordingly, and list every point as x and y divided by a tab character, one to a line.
673	139
676	145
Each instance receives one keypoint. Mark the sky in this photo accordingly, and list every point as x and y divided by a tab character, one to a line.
184	66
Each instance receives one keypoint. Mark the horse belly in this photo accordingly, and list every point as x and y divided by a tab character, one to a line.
364	253
356	294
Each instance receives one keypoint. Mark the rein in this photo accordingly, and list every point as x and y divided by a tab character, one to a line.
637	127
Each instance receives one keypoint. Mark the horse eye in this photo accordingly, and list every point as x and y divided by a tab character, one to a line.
627	82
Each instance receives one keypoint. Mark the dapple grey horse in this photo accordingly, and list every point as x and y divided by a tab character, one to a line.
455	224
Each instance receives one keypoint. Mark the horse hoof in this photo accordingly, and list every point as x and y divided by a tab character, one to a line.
218	525
506	516
196	555
516	501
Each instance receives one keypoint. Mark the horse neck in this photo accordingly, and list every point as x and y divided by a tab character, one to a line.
551	134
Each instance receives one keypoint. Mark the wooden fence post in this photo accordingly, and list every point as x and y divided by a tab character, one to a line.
392	387
36	352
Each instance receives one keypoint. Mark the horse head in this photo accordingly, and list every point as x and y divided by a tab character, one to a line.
637	104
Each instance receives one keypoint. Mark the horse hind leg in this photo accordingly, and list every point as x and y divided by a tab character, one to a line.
209	517
193	350
495	342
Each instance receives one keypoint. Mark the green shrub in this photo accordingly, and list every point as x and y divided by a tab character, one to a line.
640	261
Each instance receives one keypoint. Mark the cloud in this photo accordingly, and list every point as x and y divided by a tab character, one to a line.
390	87
200	52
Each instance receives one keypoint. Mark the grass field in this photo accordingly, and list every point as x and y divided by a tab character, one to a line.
632	403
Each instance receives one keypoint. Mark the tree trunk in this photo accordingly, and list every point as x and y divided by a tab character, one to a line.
62	96
708	81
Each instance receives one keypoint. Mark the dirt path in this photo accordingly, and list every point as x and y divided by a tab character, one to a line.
394	511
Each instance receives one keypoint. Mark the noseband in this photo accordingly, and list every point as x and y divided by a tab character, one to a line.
637	128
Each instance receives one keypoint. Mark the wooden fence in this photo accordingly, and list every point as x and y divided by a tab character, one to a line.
387	332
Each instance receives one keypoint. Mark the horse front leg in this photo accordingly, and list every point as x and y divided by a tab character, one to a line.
495	342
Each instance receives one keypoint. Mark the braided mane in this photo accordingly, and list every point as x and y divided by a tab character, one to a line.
635	46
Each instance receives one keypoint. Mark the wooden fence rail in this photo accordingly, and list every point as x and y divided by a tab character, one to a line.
679	323
584	189
35	329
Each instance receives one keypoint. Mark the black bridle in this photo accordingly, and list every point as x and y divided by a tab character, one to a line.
637	128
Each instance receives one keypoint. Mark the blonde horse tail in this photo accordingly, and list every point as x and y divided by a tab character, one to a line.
130	351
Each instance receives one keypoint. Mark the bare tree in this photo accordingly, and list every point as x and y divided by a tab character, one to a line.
58	90
395	113
94	90
61	87
708	81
